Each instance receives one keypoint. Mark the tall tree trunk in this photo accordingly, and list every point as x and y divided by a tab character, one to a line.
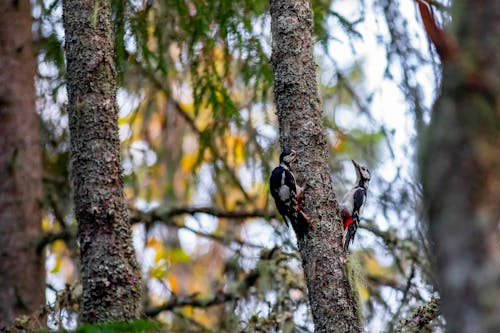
110	274
460	165
332	301
22	275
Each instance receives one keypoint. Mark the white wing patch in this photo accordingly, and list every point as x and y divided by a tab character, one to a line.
284	191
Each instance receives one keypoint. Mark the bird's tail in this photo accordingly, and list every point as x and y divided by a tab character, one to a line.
300	223
349	232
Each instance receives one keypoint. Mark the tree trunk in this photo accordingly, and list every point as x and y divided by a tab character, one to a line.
332	301
460	165
110	274
22	275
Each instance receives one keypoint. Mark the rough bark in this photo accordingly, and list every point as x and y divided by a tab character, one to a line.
110	275
332	301
460	165
22	275
421	319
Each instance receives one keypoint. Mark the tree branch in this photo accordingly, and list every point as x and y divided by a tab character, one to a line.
51	237
220	296
149	217
167	218
138	216
191	300
420	318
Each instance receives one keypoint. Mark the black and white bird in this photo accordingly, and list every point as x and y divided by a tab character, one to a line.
353	204
285	191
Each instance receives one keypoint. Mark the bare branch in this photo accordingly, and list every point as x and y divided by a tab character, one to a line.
149	217
191	300
51	237
167	218
138	216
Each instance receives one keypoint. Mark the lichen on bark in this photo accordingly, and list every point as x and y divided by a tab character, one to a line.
110	274
331	298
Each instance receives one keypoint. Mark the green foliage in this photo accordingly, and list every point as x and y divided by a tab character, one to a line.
119	29
54	51
361	143
321	10
348	26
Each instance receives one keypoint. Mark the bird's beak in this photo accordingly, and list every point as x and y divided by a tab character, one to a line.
356	165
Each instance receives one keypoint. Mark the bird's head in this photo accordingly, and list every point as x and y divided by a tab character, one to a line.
362	173
287	156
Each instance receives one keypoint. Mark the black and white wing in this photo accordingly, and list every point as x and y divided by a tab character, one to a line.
284	191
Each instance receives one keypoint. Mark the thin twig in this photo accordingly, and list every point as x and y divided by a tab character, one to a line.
140	216
191	300
167	218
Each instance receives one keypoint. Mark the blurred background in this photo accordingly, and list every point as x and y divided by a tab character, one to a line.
199	138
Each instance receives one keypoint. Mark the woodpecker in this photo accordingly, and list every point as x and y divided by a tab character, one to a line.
286	192
353	203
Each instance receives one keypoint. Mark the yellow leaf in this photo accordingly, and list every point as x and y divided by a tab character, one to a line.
239	154
178	255
57	265
339	145
217	54
204	118
187	108
159	271
161	254
219	96
234	145
373	267
58	247
47	224
174	284
153	242
188	162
